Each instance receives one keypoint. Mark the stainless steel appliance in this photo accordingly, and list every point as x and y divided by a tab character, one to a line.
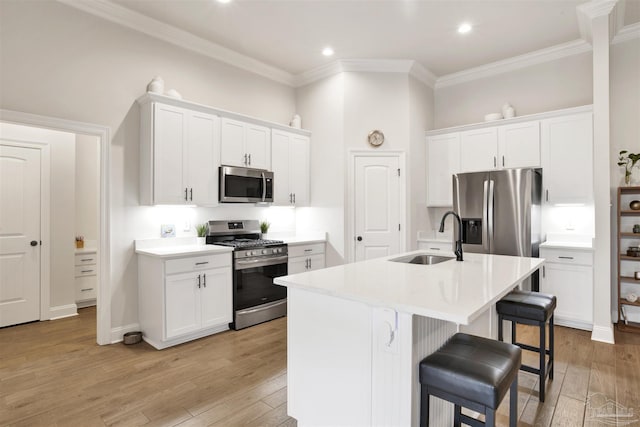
245	185
500	212
256	262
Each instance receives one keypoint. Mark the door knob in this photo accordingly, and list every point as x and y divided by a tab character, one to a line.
359	238
34	243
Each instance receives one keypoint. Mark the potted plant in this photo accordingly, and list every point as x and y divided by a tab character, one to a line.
628	161
202	229
264	227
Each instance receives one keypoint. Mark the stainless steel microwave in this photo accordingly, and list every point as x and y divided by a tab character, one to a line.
245	185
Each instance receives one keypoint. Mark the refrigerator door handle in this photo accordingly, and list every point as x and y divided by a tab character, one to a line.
485	222
489	227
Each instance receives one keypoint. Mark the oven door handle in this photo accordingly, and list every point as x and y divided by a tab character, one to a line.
242	264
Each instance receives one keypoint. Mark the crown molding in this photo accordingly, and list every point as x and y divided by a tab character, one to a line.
120	15
629	32
406	66
521	61
587	12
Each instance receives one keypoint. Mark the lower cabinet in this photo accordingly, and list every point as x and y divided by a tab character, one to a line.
305	257
568	274
182	299
86	278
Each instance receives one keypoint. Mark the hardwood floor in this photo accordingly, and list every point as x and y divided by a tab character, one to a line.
53	374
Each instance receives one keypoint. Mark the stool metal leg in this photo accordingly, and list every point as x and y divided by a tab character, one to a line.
490	418
424	407
457	416
551	362
513	403
543	352
513	332
500	320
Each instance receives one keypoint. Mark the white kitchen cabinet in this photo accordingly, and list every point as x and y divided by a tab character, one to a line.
443	160
178	155
290	165
567	159
245	144
500	147
185	298
306	257
86	279
568	274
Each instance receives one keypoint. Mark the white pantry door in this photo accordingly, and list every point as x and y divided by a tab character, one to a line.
377	206
19	235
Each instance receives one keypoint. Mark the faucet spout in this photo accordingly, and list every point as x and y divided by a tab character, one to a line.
458	250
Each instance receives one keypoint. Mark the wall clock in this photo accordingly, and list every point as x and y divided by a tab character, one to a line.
375	138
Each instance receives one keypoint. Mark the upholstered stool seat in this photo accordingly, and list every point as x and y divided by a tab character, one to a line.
530	308
473	372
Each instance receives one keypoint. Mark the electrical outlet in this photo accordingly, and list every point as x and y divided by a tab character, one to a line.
186	226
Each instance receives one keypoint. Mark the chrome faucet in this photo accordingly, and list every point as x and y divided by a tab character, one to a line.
458	250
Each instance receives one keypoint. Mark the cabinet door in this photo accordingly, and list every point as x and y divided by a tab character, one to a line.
297	265
443	160
202	163
567	159
299	167
519	145
573	287
258	146
215	297
232	152
280	166
168	154
182	304
478	150
316	262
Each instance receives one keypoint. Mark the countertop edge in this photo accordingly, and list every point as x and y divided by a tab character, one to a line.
190	251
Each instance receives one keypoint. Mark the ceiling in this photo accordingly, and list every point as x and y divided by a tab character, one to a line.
290	34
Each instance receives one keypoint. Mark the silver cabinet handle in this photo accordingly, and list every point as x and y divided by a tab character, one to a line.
435	249
191	194
565	257
503	161
198	281
547	195
495	161
86	289
544	271
294	198
202	263
308	250
86	271
204	280
86	259
249	159
290	197
185	194
309	263
306	264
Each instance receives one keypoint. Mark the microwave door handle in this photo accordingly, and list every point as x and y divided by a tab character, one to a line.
264	187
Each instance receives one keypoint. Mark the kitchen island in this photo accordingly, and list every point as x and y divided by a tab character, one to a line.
357	332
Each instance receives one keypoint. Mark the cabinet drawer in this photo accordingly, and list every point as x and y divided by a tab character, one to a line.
85	288
86	270
437	247
197	263
566	256
306	250
84	259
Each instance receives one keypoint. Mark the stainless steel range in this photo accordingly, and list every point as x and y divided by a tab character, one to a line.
256	262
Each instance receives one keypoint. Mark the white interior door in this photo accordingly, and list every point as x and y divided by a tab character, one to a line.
377	206
19	235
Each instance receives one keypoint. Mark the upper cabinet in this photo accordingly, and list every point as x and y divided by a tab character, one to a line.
245	144
178	151
443	160
290	165
567	159
497	147
560	142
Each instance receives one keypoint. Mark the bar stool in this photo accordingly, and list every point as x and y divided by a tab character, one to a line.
473	372
530	308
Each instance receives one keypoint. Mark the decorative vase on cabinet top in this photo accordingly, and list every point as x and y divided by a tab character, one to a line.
635	205
156	85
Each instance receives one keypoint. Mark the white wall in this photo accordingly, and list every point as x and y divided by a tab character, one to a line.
625	132
58	61
554	85
63	243
87	187
321	106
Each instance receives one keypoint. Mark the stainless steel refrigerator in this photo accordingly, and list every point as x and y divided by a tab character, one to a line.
500	212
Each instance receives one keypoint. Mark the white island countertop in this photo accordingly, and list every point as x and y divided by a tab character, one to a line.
453	291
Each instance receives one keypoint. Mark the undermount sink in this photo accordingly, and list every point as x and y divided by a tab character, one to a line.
423	259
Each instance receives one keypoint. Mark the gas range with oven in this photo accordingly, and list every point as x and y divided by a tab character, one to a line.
256	262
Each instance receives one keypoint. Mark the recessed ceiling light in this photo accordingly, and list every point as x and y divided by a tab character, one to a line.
224	1
327	51
464	28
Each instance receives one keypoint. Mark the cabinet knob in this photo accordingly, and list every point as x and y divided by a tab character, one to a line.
359	238
34	243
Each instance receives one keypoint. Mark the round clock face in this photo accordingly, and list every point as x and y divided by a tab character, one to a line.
376	138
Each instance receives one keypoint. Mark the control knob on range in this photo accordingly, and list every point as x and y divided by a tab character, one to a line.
265	251
248	253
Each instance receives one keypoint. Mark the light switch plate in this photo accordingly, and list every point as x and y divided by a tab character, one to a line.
167	230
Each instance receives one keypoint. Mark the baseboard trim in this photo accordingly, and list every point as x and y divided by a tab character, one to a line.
117	333
62	311
603	334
